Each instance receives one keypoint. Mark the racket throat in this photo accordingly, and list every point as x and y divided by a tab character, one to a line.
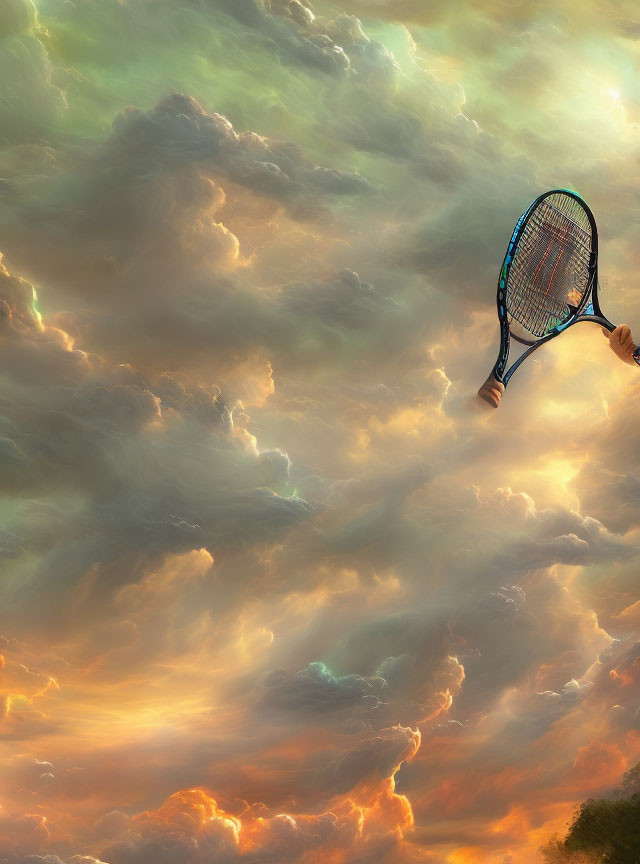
510	347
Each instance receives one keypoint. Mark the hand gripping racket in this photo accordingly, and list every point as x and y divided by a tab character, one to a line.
548	282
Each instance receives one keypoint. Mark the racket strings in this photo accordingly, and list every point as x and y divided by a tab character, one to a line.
550	269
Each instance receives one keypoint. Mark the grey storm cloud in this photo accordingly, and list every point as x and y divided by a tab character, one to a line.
414	651
150	237
370	760
525	619
113	196
413	654
372	121
338	47
314	690
193	483
345	302
566	537
178	130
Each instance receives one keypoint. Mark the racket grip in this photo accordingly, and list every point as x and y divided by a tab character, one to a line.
623	346
491	391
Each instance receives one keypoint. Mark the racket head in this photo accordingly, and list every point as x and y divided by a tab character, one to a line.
549	270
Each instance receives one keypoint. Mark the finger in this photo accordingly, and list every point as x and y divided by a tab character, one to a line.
489	397
605	332
622	344
491	391
625	339
489	394
616	342
623	334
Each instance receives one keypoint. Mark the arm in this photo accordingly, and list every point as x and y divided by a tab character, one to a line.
622	344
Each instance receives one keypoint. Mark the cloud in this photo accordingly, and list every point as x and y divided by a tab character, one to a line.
31	98
124	212
94	424
371	760
337	47
314	690
191	825
250	523
27	681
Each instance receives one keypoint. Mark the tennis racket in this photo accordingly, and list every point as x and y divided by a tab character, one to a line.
548	282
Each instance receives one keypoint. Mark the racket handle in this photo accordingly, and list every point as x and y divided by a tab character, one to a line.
622	344
491	391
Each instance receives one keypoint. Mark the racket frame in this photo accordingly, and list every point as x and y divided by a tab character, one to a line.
587	310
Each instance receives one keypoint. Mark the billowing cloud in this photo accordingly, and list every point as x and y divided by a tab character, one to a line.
275	589
31	99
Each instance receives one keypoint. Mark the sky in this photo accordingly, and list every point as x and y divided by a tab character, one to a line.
276	589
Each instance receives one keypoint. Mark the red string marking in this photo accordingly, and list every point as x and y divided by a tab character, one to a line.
560	254
544	258
553	272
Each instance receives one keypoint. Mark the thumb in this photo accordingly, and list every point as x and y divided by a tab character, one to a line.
605	332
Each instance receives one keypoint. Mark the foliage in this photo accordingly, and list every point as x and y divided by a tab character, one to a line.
604	831
631	782
555	852
609	827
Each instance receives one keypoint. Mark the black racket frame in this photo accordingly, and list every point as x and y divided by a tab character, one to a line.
587	310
